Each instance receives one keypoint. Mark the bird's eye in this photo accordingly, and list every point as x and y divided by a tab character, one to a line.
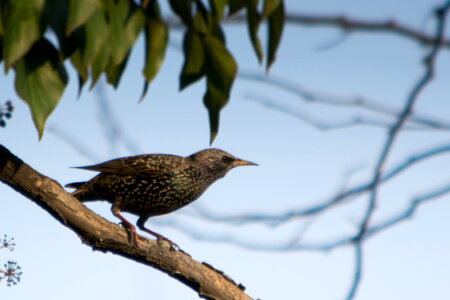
226	159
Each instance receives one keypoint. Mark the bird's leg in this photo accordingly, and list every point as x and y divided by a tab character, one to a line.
133	234
140	223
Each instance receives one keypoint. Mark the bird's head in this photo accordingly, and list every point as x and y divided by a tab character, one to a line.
217	162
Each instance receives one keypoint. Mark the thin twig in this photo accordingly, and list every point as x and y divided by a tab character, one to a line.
367	104
358	190
441	15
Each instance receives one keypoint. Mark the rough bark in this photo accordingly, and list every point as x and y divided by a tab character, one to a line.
105	236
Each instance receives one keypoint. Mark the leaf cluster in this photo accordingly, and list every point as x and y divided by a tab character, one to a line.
97	36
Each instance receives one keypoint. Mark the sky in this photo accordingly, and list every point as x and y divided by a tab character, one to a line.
299	166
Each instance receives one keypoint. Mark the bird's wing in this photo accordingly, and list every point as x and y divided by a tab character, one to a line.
142	165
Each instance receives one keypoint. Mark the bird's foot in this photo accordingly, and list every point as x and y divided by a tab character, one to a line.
160	239
133	236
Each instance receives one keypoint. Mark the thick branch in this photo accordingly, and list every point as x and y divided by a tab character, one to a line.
349	24
102	235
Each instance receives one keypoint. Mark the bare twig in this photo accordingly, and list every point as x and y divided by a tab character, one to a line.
304	245
348	24
109	122
357	273
327	125
367	104
441	15
276	219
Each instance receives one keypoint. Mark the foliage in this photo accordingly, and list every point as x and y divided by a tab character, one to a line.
97	36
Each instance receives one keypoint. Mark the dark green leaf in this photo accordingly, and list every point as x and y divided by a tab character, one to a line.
96	33
214	101
2	29
156	35
235	6
194	59
269	7
275	30
220	67
25	26
99	64
57	12
183	8
40	81
218	8
77	61
79	12
125	23
114	72
200	23
253	21
220	70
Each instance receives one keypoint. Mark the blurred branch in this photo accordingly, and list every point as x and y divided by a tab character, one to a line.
352	24
74	142
441	16
110	123
303	245
311	96
277	219
328	125
108	237
357	273
347	24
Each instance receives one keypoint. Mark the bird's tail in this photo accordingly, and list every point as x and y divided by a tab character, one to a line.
82	191
75	185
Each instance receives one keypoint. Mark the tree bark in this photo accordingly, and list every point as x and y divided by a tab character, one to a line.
105	236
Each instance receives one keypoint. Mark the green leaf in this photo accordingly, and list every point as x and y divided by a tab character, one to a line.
202	22
183	8
87	41
214	101
126	21
220	70
218	8
194	59
253	21
156	35
57	12
24	27
269	7
2	29
99	64
96	33
79	12
235	6
77	61
114	72
220	67
275	30
40	81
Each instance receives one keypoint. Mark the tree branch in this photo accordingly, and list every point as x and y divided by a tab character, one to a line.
105	236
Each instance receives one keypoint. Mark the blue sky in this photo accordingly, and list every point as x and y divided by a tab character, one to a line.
299	166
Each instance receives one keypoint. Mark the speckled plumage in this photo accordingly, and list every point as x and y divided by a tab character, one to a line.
154	184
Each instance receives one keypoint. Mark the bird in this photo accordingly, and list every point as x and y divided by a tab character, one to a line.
151	185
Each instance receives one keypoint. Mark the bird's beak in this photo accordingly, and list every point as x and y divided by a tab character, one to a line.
240	162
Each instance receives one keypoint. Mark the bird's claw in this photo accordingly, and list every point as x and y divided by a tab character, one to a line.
162	239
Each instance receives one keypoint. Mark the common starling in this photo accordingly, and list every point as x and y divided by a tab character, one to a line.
154	184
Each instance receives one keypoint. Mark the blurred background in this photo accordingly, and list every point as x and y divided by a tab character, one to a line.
285	229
